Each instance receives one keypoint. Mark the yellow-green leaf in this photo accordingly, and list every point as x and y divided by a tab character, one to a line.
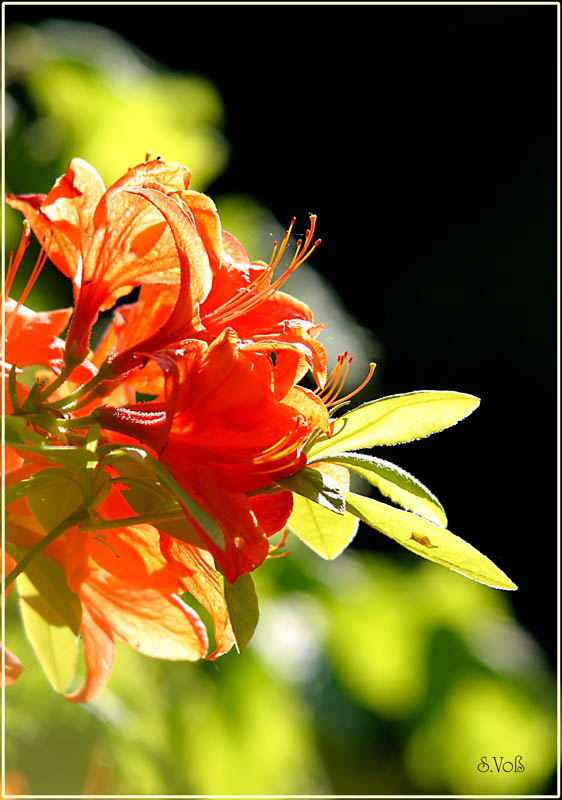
243	611
55	498
318	487
51	615
320	529
394	483
428	540
395	419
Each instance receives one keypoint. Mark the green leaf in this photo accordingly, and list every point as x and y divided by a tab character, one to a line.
314	485
320	529
55	497
394	483
51	615
180	528
17	432
122	457
242	603
143	492
428	540
34	483
395	419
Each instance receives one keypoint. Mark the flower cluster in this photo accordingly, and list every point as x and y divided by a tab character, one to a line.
155	466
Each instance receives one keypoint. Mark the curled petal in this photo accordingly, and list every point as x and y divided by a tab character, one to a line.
310	406
63	219
99	654
272	510
199	577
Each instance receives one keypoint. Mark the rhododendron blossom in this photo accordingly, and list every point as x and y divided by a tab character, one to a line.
154	468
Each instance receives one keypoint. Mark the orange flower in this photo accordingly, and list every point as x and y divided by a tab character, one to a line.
148	228
225	433
222	348
130	581
110	241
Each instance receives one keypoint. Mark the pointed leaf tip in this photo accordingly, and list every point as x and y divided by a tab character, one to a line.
428	540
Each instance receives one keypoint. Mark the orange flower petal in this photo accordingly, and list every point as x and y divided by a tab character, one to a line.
147	620
199	577
272	510
99	654
34	335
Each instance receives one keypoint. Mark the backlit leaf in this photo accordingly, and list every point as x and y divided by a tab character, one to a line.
53	500
51	615
394	420
242	603
318	487
394	483
320	529
428	540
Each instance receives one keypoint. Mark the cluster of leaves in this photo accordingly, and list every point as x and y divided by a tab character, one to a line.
326	518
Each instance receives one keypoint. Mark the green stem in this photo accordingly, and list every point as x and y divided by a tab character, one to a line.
108	524
70	402
73	519
78	422
58	381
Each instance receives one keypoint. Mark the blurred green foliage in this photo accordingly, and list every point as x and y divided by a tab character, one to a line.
80	89
366	675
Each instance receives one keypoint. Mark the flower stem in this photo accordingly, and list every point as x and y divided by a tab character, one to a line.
141	519
58	381
77	516
70	402
77	422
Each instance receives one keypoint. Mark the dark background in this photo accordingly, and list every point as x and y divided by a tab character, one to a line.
424	138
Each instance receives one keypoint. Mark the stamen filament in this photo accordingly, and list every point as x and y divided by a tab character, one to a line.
15	261
336	381
13	267
332	377
332	395
254	295
362	385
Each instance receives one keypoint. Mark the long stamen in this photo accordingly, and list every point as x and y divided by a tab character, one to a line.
13	266
280	543
333	377
362	385
336	389
336	381
258	291
15	261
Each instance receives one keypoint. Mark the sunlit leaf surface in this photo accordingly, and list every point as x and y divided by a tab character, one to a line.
320	529
428	540
394	483
395	419
51	616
